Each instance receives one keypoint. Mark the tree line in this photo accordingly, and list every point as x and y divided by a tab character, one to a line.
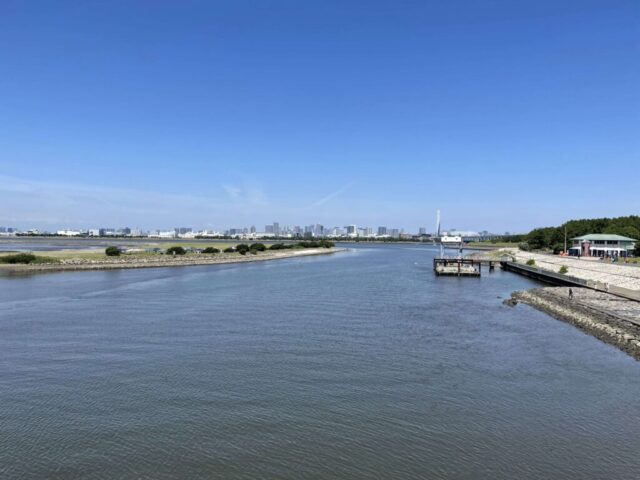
241	248
552	238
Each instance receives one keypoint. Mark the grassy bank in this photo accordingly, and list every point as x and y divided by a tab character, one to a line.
91	260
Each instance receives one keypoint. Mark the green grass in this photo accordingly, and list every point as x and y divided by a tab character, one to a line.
98	255
630	260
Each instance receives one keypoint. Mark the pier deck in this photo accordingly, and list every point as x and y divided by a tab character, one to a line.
458	267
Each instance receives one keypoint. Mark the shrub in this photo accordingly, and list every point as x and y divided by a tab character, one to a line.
531	262
257	247
229	250
309	244
176	251
280	246
242	248
112	251
211	250
563	270
19	258
524	246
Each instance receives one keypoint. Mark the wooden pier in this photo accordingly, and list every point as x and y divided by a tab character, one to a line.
461	267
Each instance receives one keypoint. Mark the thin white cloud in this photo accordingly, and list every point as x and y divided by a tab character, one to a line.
332	195
56	204
251	195
233	192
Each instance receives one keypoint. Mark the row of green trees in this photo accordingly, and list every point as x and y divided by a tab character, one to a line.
308	244
254	248
553	237
241	248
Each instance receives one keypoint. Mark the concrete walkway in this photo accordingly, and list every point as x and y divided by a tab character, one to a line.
624	276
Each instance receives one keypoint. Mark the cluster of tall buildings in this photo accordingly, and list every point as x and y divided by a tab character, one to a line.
273	230
6	231
318	231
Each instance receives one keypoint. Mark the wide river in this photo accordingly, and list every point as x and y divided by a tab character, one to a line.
357	365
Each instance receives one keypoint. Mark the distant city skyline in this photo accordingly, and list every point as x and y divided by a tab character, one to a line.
504	115
47	206
270	230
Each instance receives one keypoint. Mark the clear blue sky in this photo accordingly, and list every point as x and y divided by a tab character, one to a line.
504	114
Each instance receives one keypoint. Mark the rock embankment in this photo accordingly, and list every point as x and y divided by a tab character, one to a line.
609	318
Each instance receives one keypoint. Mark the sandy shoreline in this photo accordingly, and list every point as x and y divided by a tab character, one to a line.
123	262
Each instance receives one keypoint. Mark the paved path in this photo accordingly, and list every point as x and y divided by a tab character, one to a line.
625	276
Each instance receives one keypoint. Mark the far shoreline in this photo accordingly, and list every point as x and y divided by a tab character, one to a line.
122	262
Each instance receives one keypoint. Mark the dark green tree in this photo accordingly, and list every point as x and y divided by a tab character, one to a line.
550	237
112	251
176	250
242	248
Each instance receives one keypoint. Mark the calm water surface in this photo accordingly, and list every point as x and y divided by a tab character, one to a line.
353	366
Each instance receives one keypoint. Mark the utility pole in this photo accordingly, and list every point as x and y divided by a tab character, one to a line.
565	239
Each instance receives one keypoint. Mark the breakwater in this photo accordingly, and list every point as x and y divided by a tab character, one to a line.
603	305
611	319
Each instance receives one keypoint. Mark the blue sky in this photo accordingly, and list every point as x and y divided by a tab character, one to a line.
504	114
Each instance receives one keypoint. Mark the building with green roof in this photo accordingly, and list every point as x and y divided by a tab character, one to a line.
602	245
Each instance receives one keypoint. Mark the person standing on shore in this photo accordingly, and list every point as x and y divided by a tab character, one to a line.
570	293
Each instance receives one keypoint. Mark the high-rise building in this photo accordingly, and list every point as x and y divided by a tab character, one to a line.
351	229
253	229
268	229
276	229
422	231
382	230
